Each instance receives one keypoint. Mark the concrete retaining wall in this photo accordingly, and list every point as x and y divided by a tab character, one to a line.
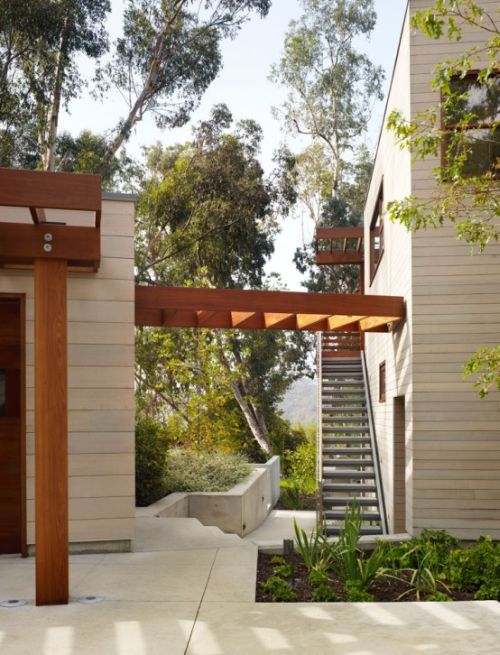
239	511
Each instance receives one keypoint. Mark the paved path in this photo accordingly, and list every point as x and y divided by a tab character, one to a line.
189	590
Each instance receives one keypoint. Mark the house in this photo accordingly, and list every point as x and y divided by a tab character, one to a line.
438	443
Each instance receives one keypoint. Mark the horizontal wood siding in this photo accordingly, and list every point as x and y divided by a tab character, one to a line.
100	380
456	310
393	277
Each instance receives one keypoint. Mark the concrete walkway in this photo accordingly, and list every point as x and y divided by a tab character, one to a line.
189	590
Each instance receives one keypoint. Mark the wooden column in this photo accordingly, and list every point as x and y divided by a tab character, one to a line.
51	433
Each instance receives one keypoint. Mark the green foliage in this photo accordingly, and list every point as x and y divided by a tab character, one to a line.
476	566
318	577
323	593
301	467
314	549
438	596
357	593
151	447
188	470
281	591
281	567
485	365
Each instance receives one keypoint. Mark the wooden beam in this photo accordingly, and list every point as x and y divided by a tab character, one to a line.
21	244
38	215
307	321
23	188
280	321
214	319
339	232
273	302
337	322
252	320
339	257
51	433
367	324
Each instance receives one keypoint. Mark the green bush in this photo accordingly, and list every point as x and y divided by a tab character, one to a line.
477	566
356	594
280	590
301	466
151	447
323	594
189	470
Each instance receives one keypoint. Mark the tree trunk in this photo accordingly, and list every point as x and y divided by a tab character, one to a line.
49	156
257	427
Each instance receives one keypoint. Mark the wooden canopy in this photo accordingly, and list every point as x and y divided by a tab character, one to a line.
339	245
21	243
188	307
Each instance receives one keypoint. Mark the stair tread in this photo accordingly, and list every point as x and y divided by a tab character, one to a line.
346	487
343	440
364	529
340	515
342	501
350	461
350	474
346	451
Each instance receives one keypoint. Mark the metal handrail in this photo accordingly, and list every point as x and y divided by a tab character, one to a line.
319	434
373	439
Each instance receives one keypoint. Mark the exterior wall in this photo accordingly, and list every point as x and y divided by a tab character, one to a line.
453	308
100	380
393	277
456	304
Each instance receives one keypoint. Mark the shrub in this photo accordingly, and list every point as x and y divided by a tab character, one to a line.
281	567
477	566
189	470
356	594
314	549
323	594
151	446
301	466
280	590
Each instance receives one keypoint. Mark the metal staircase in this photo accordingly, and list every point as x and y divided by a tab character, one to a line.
348	466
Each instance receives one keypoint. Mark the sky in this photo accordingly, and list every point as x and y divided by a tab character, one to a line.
243	85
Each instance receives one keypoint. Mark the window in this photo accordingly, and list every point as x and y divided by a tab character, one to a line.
377	234
475	114
381	383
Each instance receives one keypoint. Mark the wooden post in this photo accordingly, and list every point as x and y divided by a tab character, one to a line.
51	433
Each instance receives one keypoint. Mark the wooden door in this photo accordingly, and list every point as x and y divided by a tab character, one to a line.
12	455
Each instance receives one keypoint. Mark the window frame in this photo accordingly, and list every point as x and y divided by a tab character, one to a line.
446	127
382	382
378	214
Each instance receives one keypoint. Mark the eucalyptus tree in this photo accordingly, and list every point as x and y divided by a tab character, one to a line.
208	216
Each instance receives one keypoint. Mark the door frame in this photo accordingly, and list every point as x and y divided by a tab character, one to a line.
21	297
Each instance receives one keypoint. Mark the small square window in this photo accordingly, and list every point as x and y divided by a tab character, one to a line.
381	383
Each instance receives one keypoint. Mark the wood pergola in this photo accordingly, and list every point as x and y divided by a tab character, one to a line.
52	249
339	245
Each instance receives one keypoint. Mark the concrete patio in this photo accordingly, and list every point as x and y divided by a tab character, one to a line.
189	590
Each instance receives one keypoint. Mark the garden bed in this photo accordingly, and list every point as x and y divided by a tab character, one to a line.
431	567
383	589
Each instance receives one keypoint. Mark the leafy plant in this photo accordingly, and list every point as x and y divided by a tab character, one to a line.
318	577
323	593
477	566
355	593
281	591
423	578
438	596
282	568
314	549
151	447
188	470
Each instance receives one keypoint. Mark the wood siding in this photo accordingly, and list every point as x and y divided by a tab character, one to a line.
100	380
392	170
453	308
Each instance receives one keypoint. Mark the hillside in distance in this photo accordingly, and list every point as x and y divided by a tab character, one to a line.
300	404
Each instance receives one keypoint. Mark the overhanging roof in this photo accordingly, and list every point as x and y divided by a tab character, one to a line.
188	307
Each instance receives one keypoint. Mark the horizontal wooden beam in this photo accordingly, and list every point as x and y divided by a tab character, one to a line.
339	233
47	190
339	257
248	309
22	243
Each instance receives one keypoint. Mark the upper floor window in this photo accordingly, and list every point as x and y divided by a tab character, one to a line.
377	234
475	113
